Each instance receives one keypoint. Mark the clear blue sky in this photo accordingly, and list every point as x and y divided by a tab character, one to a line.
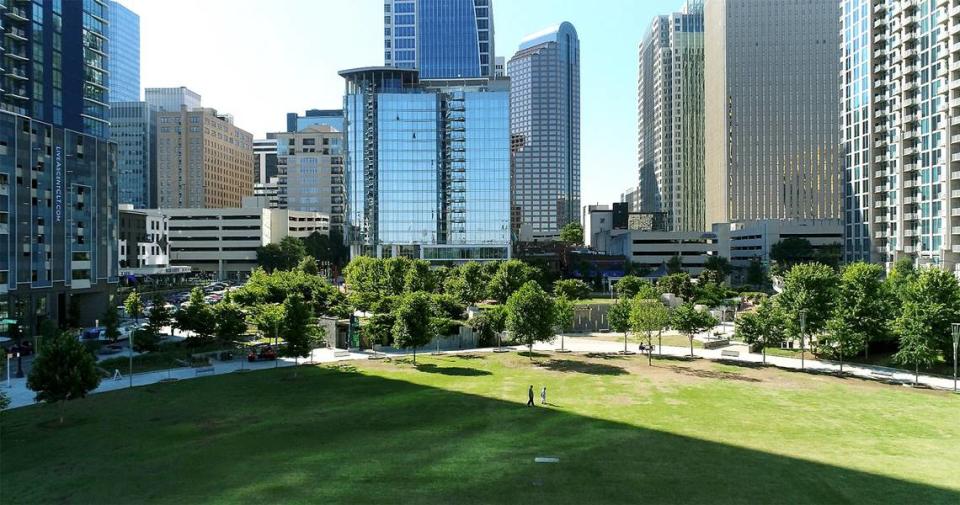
260	59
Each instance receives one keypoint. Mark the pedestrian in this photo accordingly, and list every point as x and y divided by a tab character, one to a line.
543	396
530	397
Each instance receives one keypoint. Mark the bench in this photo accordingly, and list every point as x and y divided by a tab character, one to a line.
729	354
341	354
882	374
181	362
206	369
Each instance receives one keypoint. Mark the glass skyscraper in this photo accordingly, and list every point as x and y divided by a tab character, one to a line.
443	39
428	167
133	126
900	131
545	122
123	34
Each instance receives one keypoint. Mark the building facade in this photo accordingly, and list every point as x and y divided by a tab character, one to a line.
330	117
224	242
144	245
443	39
427	167
311	174
670	148
545	122
748	241
899	118
203	160
123	34
55	63
172	99
58	222
134	128
771	101
264	159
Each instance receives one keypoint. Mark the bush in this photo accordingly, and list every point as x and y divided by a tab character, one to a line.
571	289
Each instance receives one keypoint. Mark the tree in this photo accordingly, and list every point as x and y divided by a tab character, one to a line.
935	297
843	337
197	317
4	400
530	315
395	274
134	305
64	370
230	321
300	330
111	322
446	306
675	265
328	249
308	265
900	276
563	315
918	342
711	294
679	284
268	318
690	321
618	317
715	270
791	251
572	289
510	276
488	324
277	286
377	329
756	273
761	328
159	317
630	286
283	256
365	279
414	326
864	306
648	316
419	277
810	287
571	234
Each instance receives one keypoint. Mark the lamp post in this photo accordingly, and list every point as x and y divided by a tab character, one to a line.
9	355
19	305
956	342
803	331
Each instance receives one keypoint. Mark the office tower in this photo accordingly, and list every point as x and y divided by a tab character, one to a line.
500	67
55	63
899	117
310	168
203	160
134	128
670	118
443	39
771	126
428	166
545	122
123	34
172	99
329	117
264	159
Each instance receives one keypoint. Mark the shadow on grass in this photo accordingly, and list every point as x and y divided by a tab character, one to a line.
712	374
572	365
341	436
609	355
451	370
468	356
528	354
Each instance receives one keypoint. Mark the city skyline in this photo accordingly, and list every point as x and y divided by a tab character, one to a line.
269	66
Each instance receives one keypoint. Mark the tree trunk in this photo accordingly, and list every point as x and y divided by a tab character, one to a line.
660	343
414	356
624	342
764	350
62	403
691	344
841	360
649	349
916	373
530	352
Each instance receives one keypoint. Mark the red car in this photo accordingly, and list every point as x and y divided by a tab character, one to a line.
262	353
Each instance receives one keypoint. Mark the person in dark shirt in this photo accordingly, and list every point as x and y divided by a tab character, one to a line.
530	397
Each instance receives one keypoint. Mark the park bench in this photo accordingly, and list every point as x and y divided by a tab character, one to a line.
882	374
341	354
181	362
206	369
729	354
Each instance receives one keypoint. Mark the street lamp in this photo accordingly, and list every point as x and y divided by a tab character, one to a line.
956	341
803	331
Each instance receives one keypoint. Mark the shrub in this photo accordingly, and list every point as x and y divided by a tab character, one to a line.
571	289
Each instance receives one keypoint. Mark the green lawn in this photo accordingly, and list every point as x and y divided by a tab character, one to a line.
455	430
667	339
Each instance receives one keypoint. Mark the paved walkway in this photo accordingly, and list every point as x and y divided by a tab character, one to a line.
21	396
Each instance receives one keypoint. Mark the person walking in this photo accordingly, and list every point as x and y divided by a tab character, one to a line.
543	396
530	397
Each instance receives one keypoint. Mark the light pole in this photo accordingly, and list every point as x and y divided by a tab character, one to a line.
9	355
956	342
803	331
276	354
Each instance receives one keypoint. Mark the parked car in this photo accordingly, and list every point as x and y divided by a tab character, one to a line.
99	333
262	352
25	348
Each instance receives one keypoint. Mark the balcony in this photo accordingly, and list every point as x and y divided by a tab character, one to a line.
17	34
17	14
955	175
955	193
955	230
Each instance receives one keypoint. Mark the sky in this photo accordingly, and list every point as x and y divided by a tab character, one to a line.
259	60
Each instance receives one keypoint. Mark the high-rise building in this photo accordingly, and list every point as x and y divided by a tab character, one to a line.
203	160
427	166
545	122
134	128
330	117
56	61
310	168
123	35
771	101
264	159
443	39
499	67
900	131
172	99
670	118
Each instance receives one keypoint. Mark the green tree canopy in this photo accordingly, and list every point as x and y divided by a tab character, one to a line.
571	289
679	284
510	276
197	318
395	272
277	286
64	370
865	307
268	318
530	315
564	313
160	316
283	256
811	287
715	270
631	286
675	265
419	277
934	295
571	234
762	327
230	321
414	325
756	273
133	304
488	323
111	322
366	281
648	316
328	249
690	321
900	276
618	316
300	330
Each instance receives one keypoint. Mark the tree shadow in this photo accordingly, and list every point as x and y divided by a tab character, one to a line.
468	356
609	355
451	370
712	374
343	436
585	367
528	354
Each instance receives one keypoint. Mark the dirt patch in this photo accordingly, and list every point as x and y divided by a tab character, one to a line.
712	374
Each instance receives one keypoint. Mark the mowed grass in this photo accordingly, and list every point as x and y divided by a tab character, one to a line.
456	430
